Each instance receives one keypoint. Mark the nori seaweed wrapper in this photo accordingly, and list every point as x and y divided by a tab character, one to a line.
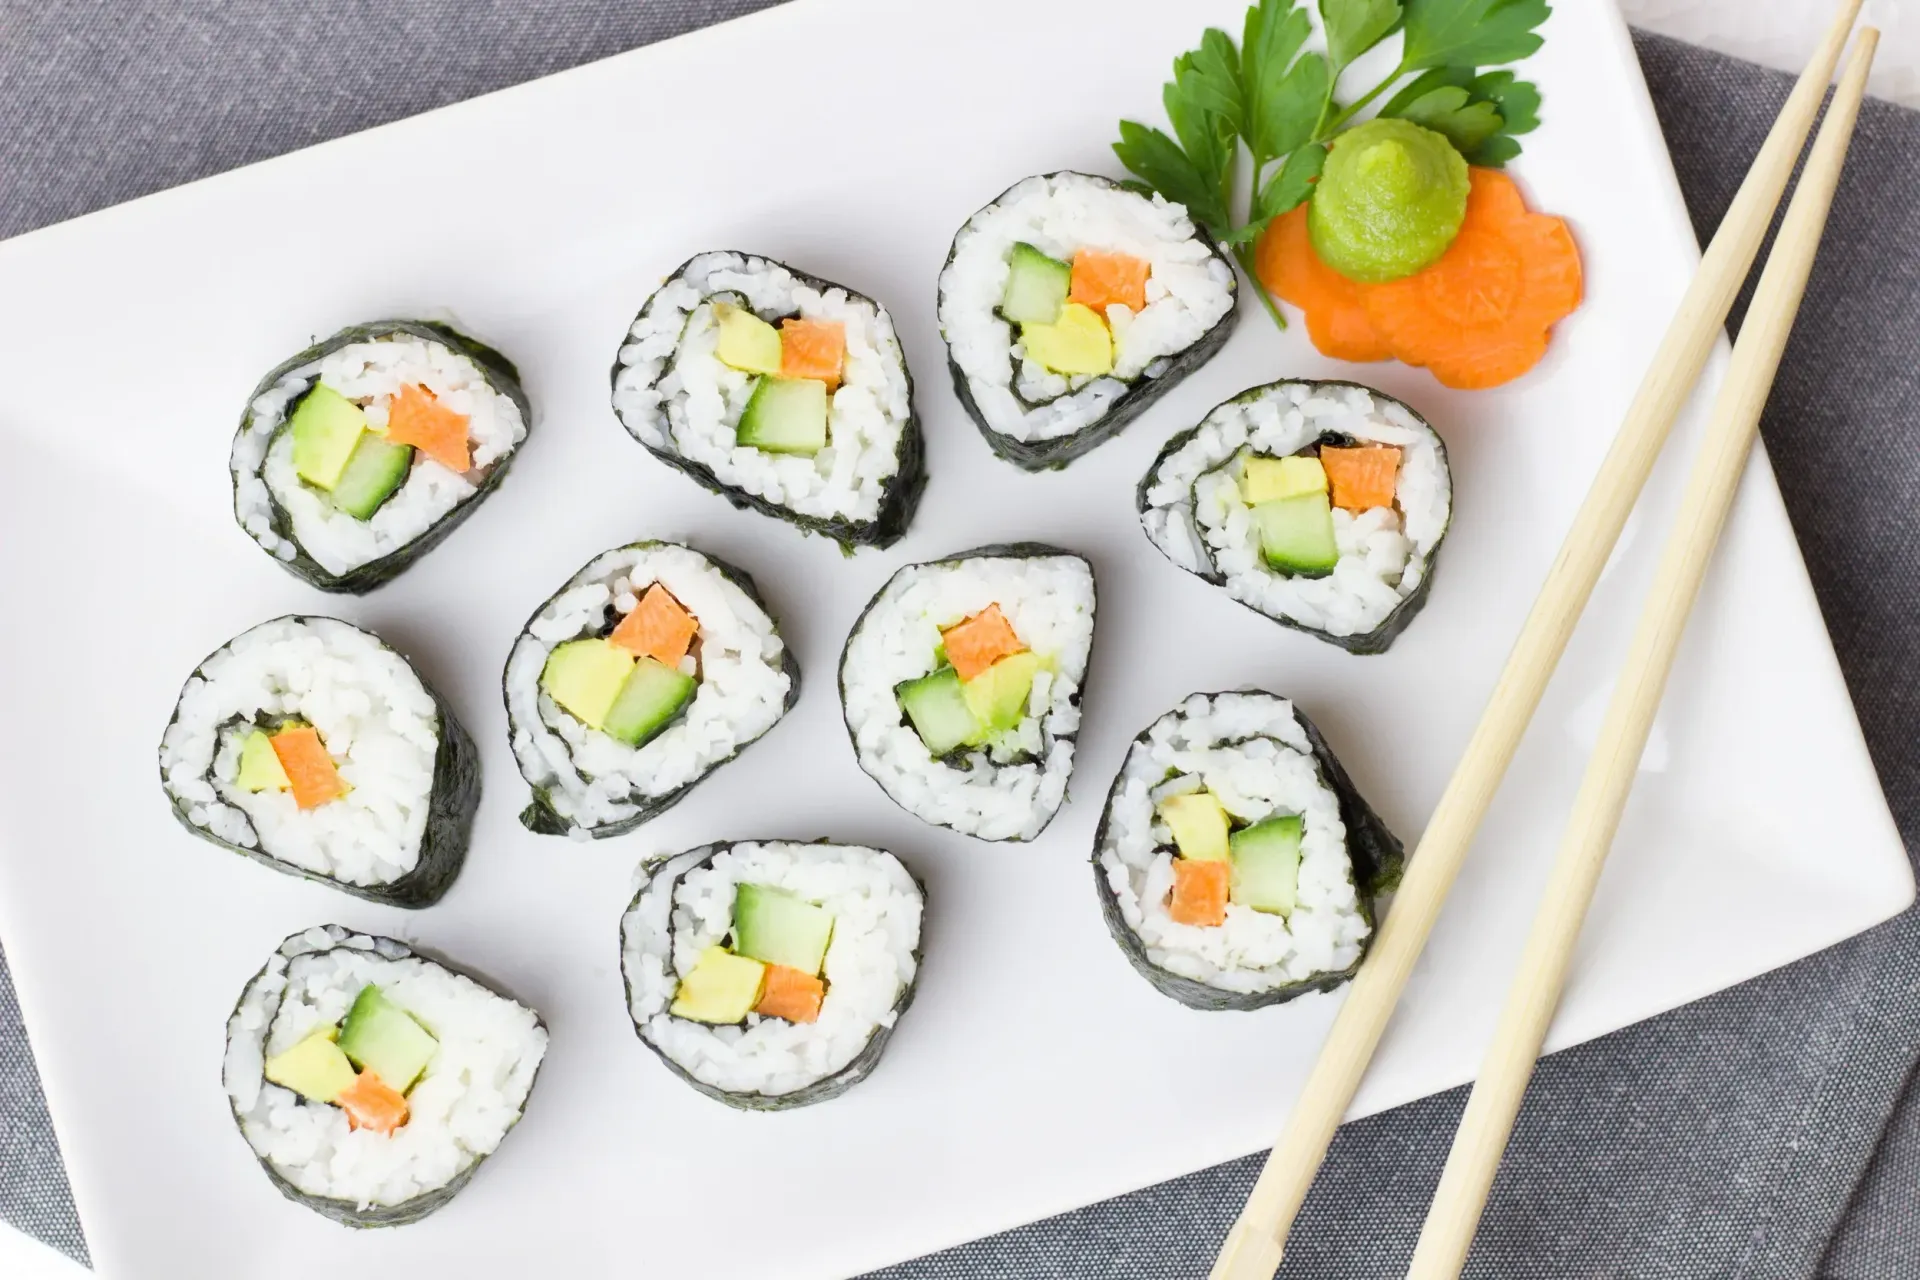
902	491
501	375
454	799
1057	451
1381	638
346	1212
1376	854
540	817
664	874
997	550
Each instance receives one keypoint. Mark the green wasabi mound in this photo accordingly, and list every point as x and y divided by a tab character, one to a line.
1389	201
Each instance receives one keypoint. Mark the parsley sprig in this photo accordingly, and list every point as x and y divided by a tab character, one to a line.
1277	100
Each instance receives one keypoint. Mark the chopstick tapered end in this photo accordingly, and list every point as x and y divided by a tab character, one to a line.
1248	1254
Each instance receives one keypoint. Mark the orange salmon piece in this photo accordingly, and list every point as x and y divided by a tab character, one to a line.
659	627
372	1103
980	641
791	994
1200	891
309	768
415	417
1101	279
813	349
1361	478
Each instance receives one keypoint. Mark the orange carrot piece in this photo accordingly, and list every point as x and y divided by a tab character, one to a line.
1479	316
791	994
980	641
309	768
1200	891
372	1103
1361	478
1335	306
1101	279
415	417
659	627
813	349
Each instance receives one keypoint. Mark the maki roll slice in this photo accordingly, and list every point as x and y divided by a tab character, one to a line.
371	1081
313	747
357	456
652	667
1069	305
1319	504
783	393
961	686
770	974
1236	864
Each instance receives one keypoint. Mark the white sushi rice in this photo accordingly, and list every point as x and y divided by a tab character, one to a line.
1049	601
687	907
1195	514
376	718
471	1093
1189	290
593	779
1251	752
373	373
675	394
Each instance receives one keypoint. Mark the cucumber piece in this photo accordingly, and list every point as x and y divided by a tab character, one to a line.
385	1039
652	695
1266	864
376	469
1296	535
779	928
326	426
937	706
260	768
785	415
1037	286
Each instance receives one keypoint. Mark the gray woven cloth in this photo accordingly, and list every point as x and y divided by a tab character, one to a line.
1764	1134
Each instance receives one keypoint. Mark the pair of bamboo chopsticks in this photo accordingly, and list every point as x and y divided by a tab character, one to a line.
1254	1247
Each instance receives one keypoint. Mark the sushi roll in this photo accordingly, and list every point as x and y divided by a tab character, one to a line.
652	667
1319	504
770	974
783	393
961	686
357	456
1069	305
312	746
371	1081
1236	865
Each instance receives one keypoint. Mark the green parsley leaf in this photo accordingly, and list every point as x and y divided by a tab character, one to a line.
1290	187
1478	113
1355	26
1158	161
1471	33
1209	77
1207	139
1455	114
1274	33
1518	101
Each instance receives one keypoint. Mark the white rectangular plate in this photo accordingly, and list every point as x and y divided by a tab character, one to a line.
851	138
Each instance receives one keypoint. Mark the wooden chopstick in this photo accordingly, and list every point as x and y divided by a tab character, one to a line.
1254	1246
1462	1195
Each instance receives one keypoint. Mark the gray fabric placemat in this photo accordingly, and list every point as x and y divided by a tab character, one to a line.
1764	1133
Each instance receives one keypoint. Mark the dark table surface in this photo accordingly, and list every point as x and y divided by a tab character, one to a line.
1768	1132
